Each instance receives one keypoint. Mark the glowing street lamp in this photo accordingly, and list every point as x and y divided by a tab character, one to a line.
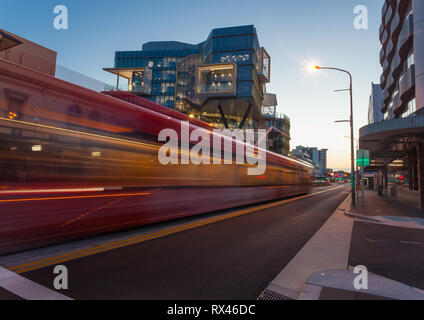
351	128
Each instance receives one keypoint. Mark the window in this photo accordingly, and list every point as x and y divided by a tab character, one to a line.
16	101
15	107
215	79
410	61
137	81
263	65
386	115
412	107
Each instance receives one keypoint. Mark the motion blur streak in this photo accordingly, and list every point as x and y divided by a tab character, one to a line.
77	197
66	137
51	190
33	265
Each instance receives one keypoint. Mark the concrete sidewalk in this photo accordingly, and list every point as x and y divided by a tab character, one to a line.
406	203
388	239
327	249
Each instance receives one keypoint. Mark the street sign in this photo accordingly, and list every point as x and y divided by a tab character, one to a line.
363	158
369	175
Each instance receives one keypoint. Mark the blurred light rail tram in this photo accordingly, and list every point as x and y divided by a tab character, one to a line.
75	163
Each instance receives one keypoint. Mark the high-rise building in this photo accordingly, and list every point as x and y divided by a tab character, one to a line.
313	155
314	152
402	58
396	143
323	160
221	80
376	102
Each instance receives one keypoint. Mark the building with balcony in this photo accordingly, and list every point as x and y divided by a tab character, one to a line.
402	58
221	80
277	126
376	101
396	143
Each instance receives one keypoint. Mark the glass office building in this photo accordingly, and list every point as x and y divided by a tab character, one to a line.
151	72
220	80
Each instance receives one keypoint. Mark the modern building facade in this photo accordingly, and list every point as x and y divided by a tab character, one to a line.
323	160
220	80
396	143
318	157
402	58
277	125
376	101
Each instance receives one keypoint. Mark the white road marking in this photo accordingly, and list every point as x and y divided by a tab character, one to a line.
27	289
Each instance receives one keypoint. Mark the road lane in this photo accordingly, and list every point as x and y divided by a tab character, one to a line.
230	259
30	221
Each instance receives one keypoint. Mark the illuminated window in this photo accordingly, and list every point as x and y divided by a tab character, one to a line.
216	79
16	102
137	81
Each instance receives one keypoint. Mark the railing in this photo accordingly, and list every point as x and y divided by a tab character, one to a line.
215	88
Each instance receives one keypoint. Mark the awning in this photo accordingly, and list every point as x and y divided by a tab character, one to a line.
123	72
390	140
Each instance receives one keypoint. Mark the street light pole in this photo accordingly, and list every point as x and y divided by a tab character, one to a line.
352	148
357	167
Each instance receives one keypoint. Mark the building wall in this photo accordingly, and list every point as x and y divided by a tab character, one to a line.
237	45
235	69
277	142
312	155
402	58
31	55
323	160
418	11
375	104
163	64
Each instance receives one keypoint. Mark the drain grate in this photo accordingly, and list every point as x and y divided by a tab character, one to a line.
272	295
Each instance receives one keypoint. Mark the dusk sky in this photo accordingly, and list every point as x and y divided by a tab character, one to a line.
295	33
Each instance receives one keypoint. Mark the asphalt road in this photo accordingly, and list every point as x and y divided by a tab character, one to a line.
230	259
389	251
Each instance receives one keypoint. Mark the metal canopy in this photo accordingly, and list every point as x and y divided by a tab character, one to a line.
391	140
123	72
